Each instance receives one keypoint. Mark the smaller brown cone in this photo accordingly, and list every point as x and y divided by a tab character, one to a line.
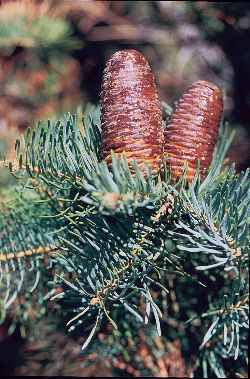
193	130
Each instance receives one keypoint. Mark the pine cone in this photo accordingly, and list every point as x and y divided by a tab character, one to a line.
193	129
131	114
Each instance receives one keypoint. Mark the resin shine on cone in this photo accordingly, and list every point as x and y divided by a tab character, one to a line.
193	130
131	113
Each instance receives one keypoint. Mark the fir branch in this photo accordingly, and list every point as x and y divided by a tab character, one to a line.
209	229
116	233
27	253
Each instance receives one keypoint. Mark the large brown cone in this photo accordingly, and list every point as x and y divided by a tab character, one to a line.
131	114
193	129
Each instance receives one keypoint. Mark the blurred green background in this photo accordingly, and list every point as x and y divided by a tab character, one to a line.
52	55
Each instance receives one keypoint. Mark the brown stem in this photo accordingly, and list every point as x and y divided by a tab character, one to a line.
20	254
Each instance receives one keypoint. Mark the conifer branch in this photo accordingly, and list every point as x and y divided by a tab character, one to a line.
41	250
118	231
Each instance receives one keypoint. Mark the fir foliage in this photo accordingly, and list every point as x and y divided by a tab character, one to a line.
113	238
